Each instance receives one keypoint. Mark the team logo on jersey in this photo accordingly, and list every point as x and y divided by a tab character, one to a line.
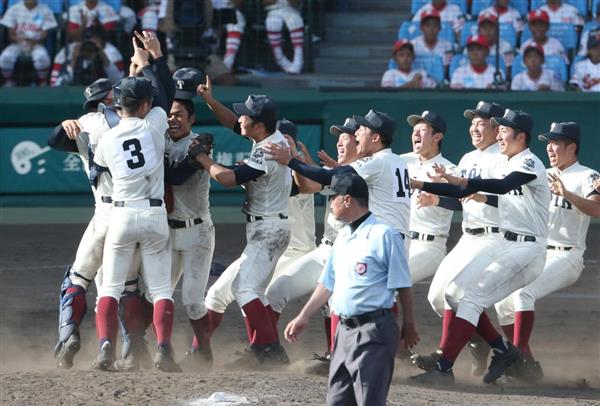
529	164
363	161
360	268
594	176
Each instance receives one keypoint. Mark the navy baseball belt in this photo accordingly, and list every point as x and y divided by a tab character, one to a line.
364	318
106	199
184	223
327	242
559	248
138	203
420	236
251	219
482	230
510	236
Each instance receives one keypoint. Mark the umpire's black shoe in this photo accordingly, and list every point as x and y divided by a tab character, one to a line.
500	362
197	360
480	351
105	357
65	352
163	359
426	362
434	377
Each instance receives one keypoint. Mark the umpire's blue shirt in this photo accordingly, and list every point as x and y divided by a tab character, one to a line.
365	268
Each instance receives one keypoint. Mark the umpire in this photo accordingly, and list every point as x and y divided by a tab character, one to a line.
366	267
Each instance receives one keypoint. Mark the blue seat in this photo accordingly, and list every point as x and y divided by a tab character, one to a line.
507	33
417	4
410	30
432	64
553	62
116	4
461	60
564	32
580	5
595	7
521	5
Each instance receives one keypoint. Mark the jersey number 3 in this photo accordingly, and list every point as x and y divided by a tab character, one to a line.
403	185
134	147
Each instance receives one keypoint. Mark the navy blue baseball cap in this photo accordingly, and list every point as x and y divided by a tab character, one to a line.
430	117
567	131
96	91
349	127
117	94
518	120
379	122
349	183
186	81
285	126
485	110
136	88
258	107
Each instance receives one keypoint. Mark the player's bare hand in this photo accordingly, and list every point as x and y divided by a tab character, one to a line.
204	90
278	153
151	43
596	184
292	144
140	55
476	197
409	337
72	128
425	199
295	328
326	160
306	158
557	187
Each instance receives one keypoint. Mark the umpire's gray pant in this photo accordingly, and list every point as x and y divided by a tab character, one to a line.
362	363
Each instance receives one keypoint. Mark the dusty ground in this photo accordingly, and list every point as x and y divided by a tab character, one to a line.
32	260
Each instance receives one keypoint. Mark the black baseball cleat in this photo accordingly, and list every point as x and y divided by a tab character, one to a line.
500	362
426	362
260	356
320	365
197	360
105	357
163	359
480	351
526	370
65	352
434	377
273	355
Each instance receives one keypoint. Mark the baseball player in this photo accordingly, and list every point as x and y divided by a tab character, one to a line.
28	23
405	76
574	201
477	74
487	25
87	13
536	77
539	23
235	31
505	14
480	227
268	187
595	23
449	13
429	43
560	12
519	259
278	13
429	226
586	75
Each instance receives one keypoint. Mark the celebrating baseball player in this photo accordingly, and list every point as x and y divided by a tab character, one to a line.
523	209
574	201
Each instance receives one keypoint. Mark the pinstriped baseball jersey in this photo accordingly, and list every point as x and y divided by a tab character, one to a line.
586	76
568	225
511	15
442	48
105	14
465	77
451	13
302	222
29	23
522	81
190	198
551	47
429	220
397	78
566	13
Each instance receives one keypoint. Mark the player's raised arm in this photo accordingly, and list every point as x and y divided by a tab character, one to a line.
226	117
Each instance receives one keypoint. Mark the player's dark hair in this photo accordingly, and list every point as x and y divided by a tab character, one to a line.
270	126
362	201
188	105
131	105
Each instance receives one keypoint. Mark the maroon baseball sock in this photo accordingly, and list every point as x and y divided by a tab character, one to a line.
133	316
459	334
250	331
486	329
214	321
447	319
107	321
78	304
509	332
274	316
523	328
335	320
327	327
259	318
163	321
201	329
148	312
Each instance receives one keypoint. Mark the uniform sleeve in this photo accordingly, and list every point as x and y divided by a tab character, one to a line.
327	277
10	18
157	120
588	185
367	168
256	160
99	154
387	80
398	274
49	20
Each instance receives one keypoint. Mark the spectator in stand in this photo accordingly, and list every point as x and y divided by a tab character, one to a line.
404	76
235	30
28	23
449	13
278	13
539	23
559	12
586	76
477	74
84	62
87	13
536	77
506	14
128	20
584	36
487	25
429	43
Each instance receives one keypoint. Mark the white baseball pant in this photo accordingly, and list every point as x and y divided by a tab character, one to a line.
192	251
39	55
240	26
562	269
425	257
247	278
283	14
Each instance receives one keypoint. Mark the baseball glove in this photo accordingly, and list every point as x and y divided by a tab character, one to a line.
202	144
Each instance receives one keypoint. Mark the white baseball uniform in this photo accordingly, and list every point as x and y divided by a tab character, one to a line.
508	15
104	13
566	13
28	24
523	81
191	231
513	264
468	252
397	78
584	39
134	152
506	51
442	48
586	76
566	244
451	13
552	46
429	226
465	77
267	232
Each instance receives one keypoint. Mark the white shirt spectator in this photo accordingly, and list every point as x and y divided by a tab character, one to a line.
506	50
442	48
522	81
465	77
451	13
105	14
508	15
551	47
397	78
128	18
586	76
566	13
114	71
29	23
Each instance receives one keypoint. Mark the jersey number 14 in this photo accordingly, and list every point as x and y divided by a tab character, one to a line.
403	184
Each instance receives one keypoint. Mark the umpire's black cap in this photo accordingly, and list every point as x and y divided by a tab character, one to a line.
430	117
186	81
258	107
349	127
285	126
379	122
136	88
519	120
95	92
485	110
568	131
349	183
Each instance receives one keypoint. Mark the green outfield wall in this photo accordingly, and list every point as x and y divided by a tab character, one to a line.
33	175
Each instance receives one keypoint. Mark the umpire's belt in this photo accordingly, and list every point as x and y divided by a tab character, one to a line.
106	199
510	236
139	204
420	236
251	219
558	248
356	321
482	230
184	223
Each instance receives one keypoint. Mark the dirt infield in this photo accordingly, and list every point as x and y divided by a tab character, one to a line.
32	261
